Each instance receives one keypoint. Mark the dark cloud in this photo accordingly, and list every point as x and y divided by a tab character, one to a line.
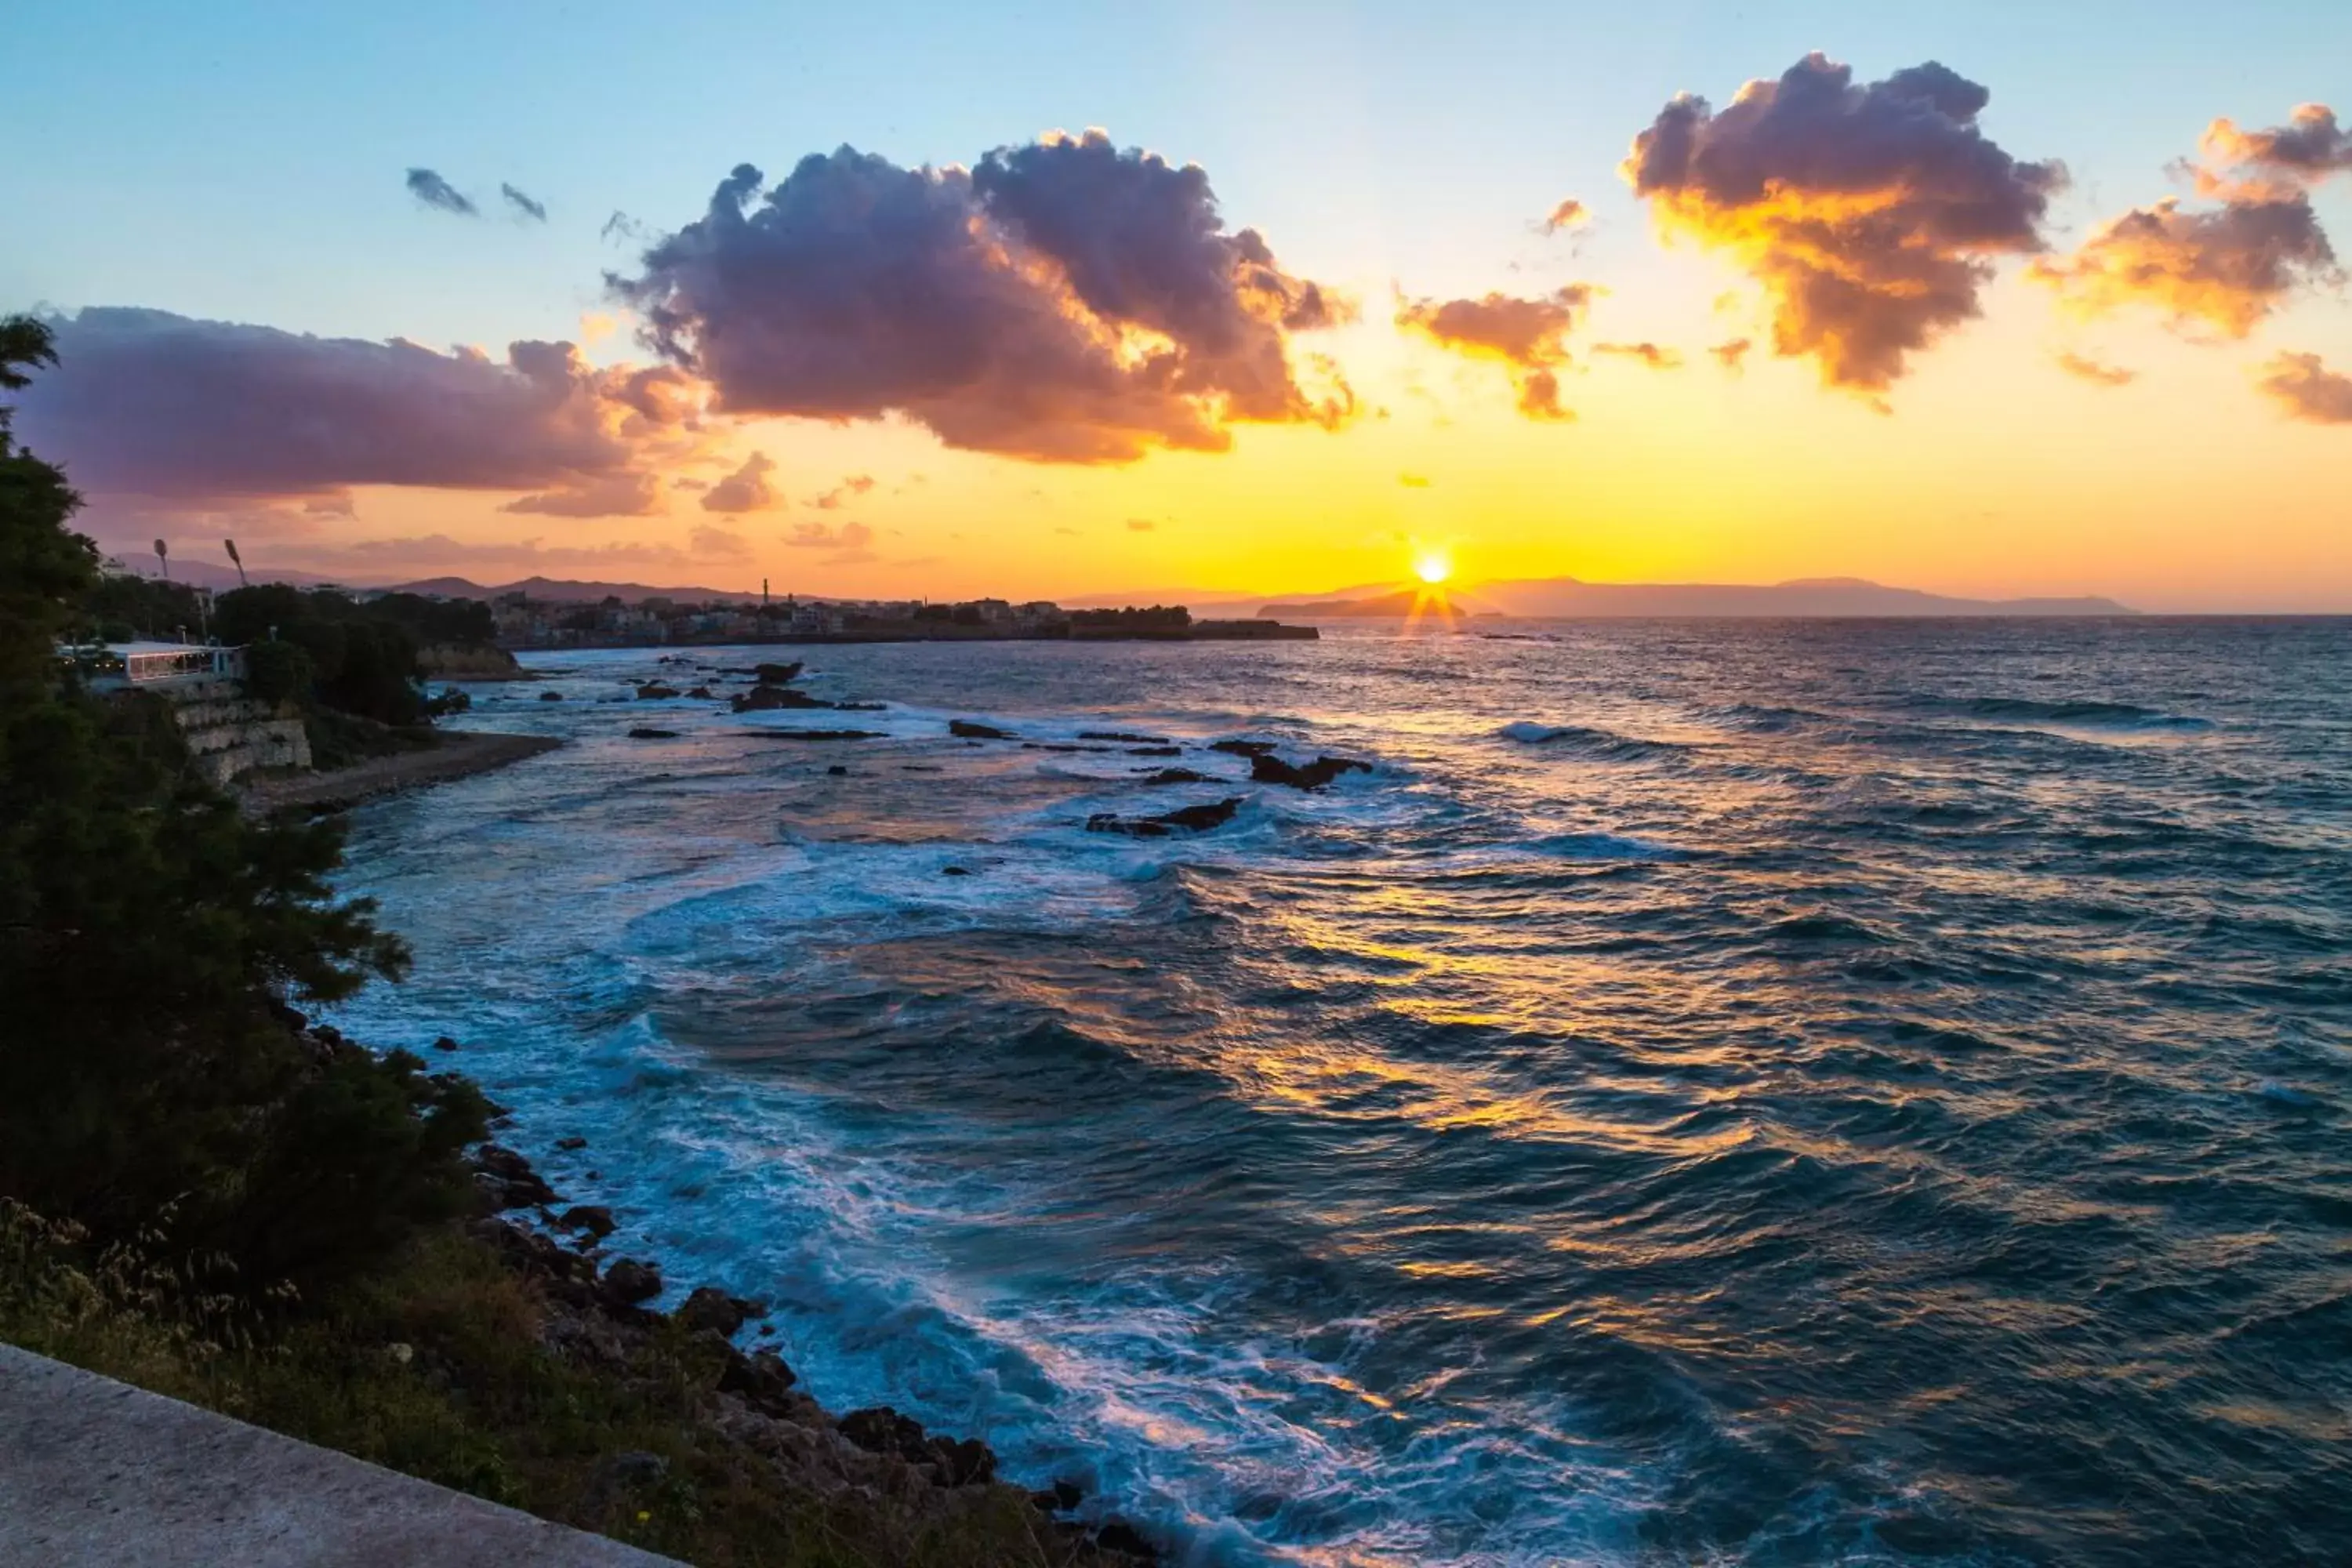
435	192
1650	354
1568	214
1733	355
2307	389
523	203
745	489
1062	301
1872	215
145	403
2226	267
607	495
1530	336
2095	372
624	228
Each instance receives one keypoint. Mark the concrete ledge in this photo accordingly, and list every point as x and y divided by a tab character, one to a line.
94	1472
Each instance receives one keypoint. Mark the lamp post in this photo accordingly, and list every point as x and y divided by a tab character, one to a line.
163	559
238	561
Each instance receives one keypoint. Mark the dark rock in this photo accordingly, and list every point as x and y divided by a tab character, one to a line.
444	1043
712	1308
628	1282
594	1218
1058	746
765	698
1122	737
550	697
1117	1535
1310	775
882	1430
1069	1494
962	1463
818	734
1188	819
778	674
507	1179
568	1144
1177	776
643	733
704	693
540	1255
655	692
1155	751
954	871
1242	748
761	1378
836	770
861	707
971	731
286	1015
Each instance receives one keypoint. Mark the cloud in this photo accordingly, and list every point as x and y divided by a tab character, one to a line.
607	495
2095	372
1530	336
745	489
688	482
2306	150
1414	481
716	543
2228	267
1062	302
523	203
1539	397
435	192
1871	215
203	414
1651	354
1140	525
1568	214
841	494
625	228
2307	389
1733	355
851	543
417	555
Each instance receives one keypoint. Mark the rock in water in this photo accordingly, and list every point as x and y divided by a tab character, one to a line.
644	733
655	692
1242	748
1272	770
712	1308
594	1218
778	674
1188	819
550	697
971	731
1177	776
767	697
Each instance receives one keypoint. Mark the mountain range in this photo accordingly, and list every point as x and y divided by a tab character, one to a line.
1566	598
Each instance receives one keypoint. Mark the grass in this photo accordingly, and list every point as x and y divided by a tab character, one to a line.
435	1367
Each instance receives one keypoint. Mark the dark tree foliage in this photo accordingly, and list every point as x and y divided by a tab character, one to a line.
150	939
361	662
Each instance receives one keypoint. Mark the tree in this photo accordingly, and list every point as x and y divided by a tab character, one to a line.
150	942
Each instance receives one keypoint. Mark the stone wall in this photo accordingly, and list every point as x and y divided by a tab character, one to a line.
230	734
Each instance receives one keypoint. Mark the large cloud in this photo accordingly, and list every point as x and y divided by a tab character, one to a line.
1529	335
2225	266
194	413
2307	389
1063	302
1872	215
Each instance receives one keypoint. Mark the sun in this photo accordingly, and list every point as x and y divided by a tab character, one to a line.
1431	567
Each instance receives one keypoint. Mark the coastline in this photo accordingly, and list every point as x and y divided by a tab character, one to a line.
459	753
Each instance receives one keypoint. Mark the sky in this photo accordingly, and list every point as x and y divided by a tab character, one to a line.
1037	301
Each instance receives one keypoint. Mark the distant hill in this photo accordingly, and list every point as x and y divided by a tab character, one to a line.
1812	596
564	589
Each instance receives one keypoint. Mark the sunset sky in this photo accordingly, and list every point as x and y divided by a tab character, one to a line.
2030	323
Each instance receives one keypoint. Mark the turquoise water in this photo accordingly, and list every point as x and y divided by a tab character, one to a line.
1758	1093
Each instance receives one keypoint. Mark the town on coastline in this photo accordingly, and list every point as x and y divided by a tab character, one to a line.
524	623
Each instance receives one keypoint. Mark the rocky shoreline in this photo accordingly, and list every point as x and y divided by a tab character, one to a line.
593	1314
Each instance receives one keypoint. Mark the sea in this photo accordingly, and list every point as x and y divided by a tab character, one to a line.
1711	1092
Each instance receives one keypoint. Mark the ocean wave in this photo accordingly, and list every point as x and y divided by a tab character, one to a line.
1587	742
2075	713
